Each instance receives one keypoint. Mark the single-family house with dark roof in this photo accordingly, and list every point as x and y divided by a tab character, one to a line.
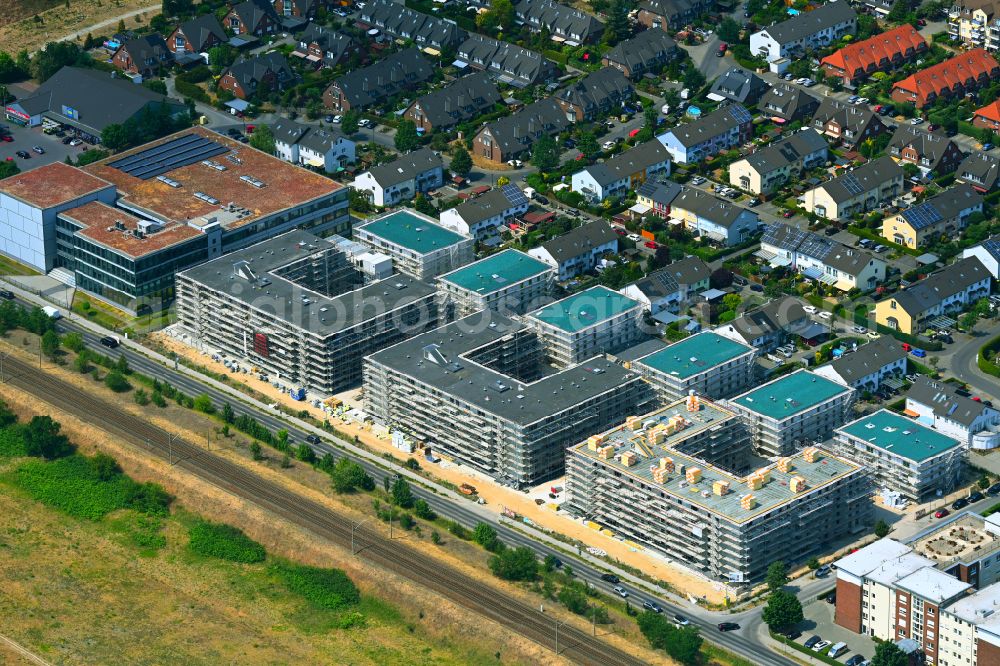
512	136
945	214
508	63
953	77
654	197
565	24
657	292
806	31
738	85
980	170
483	216
712	218
400	22
304	9
882	52
324	47
932	153
252	17
671	14
596	94
865	188
311	146
397	74
146	56
850	124
197	35
712	133
770	167
577	250
865	367
623	172
988	252
787	103
260	74
768	326
940	404
945	291
645	53
403	178
821	258
465	99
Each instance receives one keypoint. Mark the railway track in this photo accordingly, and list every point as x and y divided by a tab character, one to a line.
570	642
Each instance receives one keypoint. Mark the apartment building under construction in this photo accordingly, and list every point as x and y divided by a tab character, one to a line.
793	411
485	394
666	480
298	309
706	363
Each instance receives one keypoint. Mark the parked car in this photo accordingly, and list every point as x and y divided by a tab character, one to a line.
811	309
873	335
822	571
916	121
831	598
756	287
812	641
825	314
822	645
653	606
987	146
993	490
855	660
38	149
569	143
975	496
919	353
787	214
7	138
608	145
697	180
860	330
753	202
728	626
791	634
831	231
942	513
6	294
611	578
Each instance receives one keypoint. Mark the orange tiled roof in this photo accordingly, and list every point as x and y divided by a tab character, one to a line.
990	111
872	50
945	75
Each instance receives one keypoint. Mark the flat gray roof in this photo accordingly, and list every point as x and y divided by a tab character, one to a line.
520	402
322	316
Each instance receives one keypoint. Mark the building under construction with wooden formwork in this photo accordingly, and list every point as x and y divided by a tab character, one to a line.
673	481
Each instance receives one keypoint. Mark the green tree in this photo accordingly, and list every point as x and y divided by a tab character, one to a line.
349	123
401	493
423	204
141	397
423	510
73	341
500	15
486	536
882	529
348	476
50	344
203	403
43	439
121	365
116	381
8	169
406	138
616	28
783	609
729	30
693	79
681	643
82	363
263	139
545	153
898	12
777	575
221	57
255	451
7	416
515	564
305	453
813	563
888	653
228	415
461	161
984	482
586	143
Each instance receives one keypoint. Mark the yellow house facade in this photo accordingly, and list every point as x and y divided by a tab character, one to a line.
891	314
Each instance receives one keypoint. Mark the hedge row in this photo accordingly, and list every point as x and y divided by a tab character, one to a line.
987	352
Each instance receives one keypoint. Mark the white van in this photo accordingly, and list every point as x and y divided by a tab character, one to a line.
837	649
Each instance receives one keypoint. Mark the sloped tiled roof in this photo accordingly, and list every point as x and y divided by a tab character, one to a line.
945	75
464	99
646	48
865	178
871	52
595	90
505	60
944	206
404	23
809	23
979	169
198	30
990	112
632	161
740	85
398	72
580	240
517	132
928	145
940	285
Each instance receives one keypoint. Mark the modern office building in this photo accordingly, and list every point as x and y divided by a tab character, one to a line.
478	393
119	229
706	363
793	411
902	455
297	308
660	481
418	245
509	282
595	321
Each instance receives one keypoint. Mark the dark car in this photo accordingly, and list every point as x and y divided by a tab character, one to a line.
569	143
110	342
66	140
830	231
831	598
960	503
993	490
941	513
728	626
854	660
812	640
756	287
653	606
791	634
23	154
611	578
542	200
312	439
975	496
7	294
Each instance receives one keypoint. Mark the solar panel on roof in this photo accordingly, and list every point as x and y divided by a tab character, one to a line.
740	114
514	194
922	216
171	155
851	184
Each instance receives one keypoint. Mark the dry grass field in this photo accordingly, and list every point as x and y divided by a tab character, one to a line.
58	19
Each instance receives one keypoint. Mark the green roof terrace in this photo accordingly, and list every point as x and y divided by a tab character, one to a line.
824	470
412	231
790	395
900	436
496	272
585	309
694	355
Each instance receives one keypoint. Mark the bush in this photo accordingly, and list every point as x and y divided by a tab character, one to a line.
987	354
116	382
75	486
486	536
423	510
515	564
12	442
203	403
329	589
458	530
348	476
224	542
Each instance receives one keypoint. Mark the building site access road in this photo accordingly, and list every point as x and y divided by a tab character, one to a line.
574	644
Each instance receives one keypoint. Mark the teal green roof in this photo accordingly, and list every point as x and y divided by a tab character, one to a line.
789	395
405	229
694	354
584	309
900	435
496	272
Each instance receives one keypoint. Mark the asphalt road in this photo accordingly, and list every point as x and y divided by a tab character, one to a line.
743	642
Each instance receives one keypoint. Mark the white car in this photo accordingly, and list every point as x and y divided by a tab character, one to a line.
861	330
635	238
801	80
811	309
517	164
337	119
825	315
364	122
863	100
916	121
822	645
608	145
873	335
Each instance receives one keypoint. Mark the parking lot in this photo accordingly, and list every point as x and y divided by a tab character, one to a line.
819	622
25	138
